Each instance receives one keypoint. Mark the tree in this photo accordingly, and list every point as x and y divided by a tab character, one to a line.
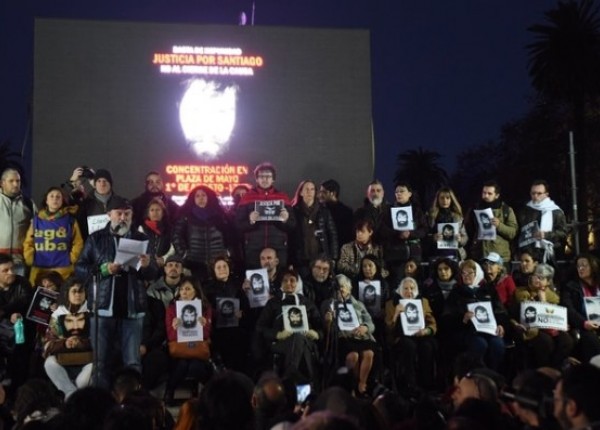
564	65
421	170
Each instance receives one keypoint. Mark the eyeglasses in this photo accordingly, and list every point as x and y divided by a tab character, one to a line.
265	176
467	273
537	193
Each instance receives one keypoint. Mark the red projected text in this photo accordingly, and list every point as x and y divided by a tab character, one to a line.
201	60
182	178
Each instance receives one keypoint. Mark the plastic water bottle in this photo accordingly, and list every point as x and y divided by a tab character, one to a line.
19	332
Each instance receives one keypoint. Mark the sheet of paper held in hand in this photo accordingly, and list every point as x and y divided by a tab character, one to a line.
129	251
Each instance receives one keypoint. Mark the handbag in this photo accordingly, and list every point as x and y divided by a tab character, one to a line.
75	358
197	349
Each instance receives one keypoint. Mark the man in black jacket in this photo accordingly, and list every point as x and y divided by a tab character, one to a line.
120	296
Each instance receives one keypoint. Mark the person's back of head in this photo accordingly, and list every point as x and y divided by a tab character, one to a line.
127	417
580	384
36	396
225	403
87	408
269	398
127	380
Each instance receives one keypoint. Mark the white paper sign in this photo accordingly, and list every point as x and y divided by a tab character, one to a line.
402	218
486	230
227	309
448	231
369	292
346	316
258	294
413	317
592	307
543	315
97	222
484	319
295	318
189	311
129	251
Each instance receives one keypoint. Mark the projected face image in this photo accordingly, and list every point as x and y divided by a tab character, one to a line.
207	116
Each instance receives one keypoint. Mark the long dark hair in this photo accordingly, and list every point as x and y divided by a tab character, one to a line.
213	204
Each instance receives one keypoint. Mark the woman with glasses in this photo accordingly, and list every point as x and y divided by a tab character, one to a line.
458	318
585	285
547	347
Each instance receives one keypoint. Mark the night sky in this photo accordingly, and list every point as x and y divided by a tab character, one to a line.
445	74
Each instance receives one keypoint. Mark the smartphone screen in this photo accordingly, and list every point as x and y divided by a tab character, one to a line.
302	392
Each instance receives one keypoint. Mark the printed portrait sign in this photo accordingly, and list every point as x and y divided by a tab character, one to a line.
543	315
369	292
346	317
592	307
528	231
269	210
484	319
402	218
97	222
486	230
413	317
227	309
189	311
295	318
42	305
448	231
258	294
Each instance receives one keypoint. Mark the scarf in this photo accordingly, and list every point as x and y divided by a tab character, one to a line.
202	214
546	207
102	198
155	226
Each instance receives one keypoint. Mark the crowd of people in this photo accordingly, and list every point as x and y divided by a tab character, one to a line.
425	317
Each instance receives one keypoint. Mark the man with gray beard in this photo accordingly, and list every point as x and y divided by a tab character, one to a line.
120	297
375	208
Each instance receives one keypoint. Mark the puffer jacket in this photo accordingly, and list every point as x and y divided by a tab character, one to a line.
100	248
198	241
327	237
